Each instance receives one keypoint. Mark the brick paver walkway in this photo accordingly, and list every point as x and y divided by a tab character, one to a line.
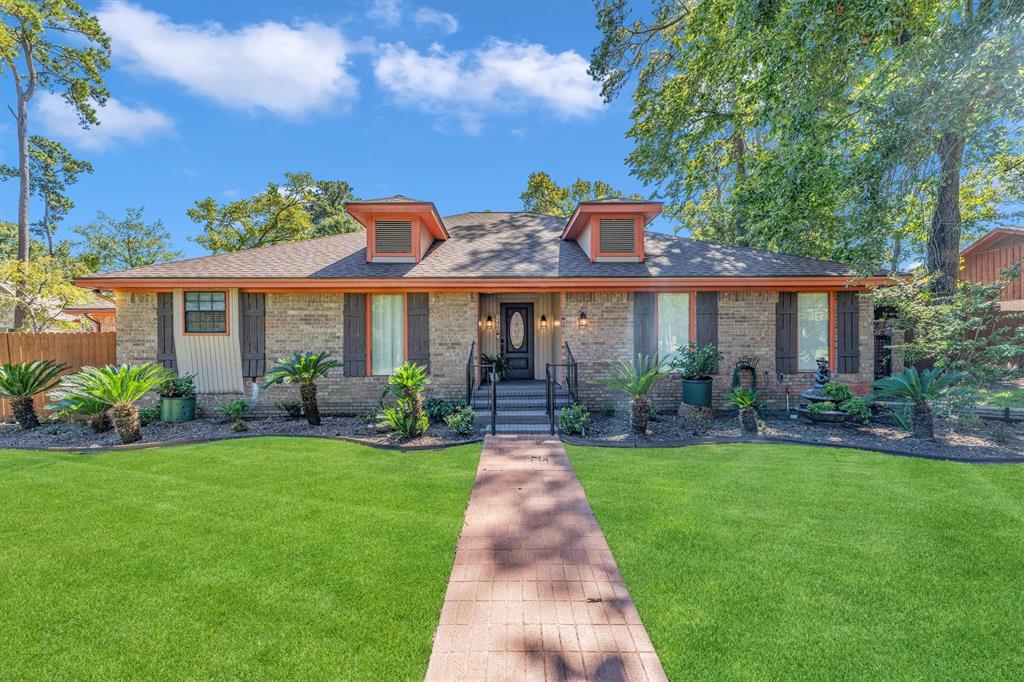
535	593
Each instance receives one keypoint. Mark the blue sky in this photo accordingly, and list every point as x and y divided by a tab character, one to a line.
450	102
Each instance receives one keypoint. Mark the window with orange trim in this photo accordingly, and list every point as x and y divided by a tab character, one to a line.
387	333
673	320
206	312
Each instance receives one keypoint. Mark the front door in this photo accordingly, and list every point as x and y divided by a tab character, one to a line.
517	339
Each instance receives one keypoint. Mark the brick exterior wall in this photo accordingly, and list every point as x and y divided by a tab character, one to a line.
136	327
607	337
453	329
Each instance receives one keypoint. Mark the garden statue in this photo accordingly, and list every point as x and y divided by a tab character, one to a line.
823	375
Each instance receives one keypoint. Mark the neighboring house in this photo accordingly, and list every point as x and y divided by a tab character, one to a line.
989	255
537	288
99	315
61	322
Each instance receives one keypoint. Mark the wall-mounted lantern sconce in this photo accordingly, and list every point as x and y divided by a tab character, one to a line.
582	321
543	322
490	322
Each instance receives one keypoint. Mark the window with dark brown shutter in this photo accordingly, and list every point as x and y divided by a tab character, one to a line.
418	329
707	318
645	340
392	236
253	334
354	341
165	331
786	333
617	235
847	332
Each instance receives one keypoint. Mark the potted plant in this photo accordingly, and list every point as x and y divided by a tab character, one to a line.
178	399
746	401
695	364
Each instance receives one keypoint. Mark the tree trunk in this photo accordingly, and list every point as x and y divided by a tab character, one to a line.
25	412
46	225
126	420
639	415
100	423
922	422
309	404
748	420
943	259
415	412
23	194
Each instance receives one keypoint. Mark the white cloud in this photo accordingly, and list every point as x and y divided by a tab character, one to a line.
498	76
443	21
388	12
286	70
118	122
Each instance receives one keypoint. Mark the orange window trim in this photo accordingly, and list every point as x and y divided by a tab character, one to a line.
595	239
227	313
833	327
369	331
693	317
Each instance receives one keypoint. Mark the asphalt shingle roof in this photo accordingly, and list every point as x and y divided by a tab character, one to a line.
489	244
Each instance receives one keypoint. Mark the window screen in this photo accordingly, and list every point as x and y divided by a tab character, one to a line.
206	312
812	330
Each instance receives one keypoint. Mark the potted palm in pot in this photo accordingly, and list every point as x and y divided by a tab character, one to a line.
695	364
178	399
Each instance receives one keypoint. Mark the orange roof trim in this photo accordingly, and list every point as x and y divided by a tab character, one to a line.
364	212
585	209
991	236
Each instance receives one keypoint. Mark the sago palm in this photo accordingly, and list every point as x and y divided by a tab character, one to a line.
637	380
303	369
70	399
119	388
921	390
19	381
407	385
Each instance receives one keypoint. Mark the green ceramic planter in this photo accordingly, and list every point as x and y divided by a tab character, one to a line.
178	409
697	392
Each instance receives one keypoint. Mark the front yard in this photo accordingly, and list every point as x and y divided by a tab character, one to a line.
793	562
270	558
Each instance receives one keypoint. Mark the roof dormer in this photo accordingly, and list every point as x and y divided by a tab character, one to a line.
398	229
611	230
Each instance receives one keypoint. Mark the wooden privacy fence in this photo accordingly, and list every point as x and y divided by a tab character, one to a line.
70	348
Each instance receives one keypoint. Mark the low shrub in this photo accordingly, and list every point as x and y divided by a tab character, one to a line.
438	409
857	409
1002	434
233	410
655	412
292	408
239	425
407	418
838	392
743	398
178	386
606	410
574	419
823	406
461	420
148	415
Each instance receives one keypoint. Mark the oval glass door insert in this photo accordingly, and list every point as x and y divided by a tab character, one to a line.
516	330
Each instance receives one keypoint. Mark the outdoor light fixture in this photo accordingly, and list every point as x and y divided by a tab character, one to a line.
543	322
490	322
582	322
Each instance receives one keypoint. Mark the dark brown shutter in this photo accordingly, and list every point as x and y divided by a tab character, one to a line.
354	351
418	329
707	319
847	332
165	331
786	333
645	340
252	334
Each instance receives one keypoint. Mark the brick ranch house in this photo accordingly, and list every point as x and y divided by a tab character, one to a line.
538	289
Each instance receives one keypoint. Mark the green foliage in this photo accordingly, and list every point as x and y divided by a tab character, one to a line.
178	386
149	415
117	384
42	289
25	379
70	399
544	195
499	364
822	406
438	409
239	425
300	368
1003	434
301	208
461	420
857	409
922	388
635	379
234	410
837	391
407	418
292	408
111	243
696	362
574	419
743	398
965	332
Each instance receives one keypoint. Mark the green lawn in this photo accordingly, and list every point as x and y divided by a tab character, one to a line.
258	558
790	562
1003	397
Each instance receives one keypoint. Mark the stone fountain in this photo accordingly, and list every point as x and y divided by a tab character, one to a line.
817	395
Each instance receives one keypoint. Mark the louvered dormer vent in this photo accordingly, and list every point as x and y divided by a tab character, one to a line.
393	236
617	235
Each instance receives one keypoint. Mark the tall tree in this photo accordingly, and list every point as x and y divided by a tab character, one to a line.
805	126
52	168
120	244
300	208
40	287
544	195
59	47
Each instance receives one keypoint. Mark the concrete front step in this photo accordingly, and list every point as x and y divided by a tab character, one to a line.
517	416
517	428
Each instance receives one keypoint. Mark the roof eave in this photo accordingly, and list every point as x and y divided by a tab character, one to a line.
649	209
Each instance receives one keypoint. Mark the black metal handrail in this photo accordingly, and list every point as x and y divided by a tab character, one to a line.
475	371
572	377
570	374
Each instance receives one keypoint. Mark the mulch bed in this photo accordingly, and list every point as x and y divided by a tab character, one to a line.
78	435
951	441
